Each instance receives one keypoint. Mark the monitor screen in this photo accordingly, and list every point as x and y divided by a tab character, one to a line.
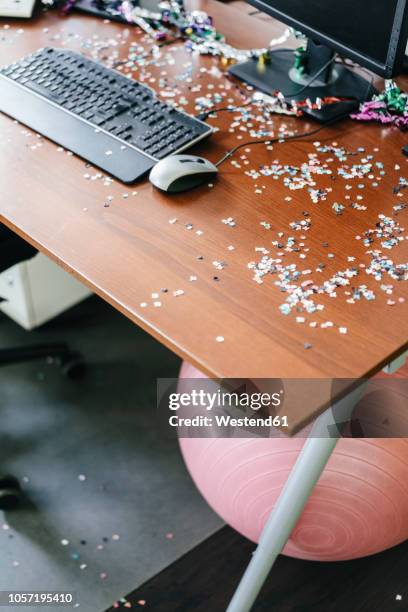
369	32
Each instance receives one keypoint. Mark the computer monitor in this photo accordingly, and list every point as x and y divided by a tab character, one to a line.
373	34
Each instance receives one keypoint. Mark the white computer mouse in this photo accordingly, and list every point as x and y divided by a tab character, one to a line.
178	173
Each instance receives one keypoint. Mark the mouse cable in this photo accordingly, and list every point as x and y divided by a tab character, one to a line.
297	137
204	115
280	139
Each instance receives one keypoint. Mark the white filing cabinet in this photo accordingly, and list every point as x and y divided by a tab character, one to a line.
16	8
38	290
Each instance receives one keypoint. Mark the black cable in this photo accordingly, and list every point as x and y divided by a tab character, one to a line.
295	136
279	139
203	116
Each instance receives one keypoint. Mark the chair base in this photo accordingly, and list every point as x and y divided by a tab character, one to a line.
10	493
71	362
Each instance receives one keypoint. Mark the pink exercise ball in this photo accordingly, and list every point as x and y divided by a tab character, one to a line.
359	506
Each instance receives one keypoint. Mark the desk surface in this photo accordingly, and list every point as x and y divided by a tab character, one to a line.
121	242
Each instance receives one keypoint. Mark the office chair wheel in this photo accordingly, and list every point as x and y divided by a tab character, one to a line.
10	493
73	366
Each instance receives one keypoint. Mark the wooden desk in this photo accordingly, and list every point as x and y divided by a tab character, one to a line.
129	250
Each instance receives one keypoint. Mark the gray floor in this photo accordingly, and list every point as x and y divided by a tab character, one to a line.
93	465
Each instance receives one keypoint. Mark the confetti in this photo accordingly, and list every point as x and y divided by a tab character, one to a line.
230	222
338	208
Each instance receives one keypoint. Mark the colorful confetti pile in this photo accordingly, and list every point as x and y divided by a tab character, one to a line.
300	290
171	21
388	107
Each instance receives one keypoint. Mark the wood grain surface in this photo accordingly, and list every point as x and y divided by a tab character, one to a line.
128	250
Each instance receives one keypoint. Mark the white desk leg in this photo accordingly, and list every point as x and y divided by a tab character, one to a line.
297	490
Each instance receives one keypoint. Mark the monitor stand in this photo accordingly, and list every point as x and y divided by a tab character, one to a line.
336	81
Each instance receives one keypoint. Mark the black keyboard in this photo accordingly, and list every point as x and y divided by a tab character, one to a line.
108	119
